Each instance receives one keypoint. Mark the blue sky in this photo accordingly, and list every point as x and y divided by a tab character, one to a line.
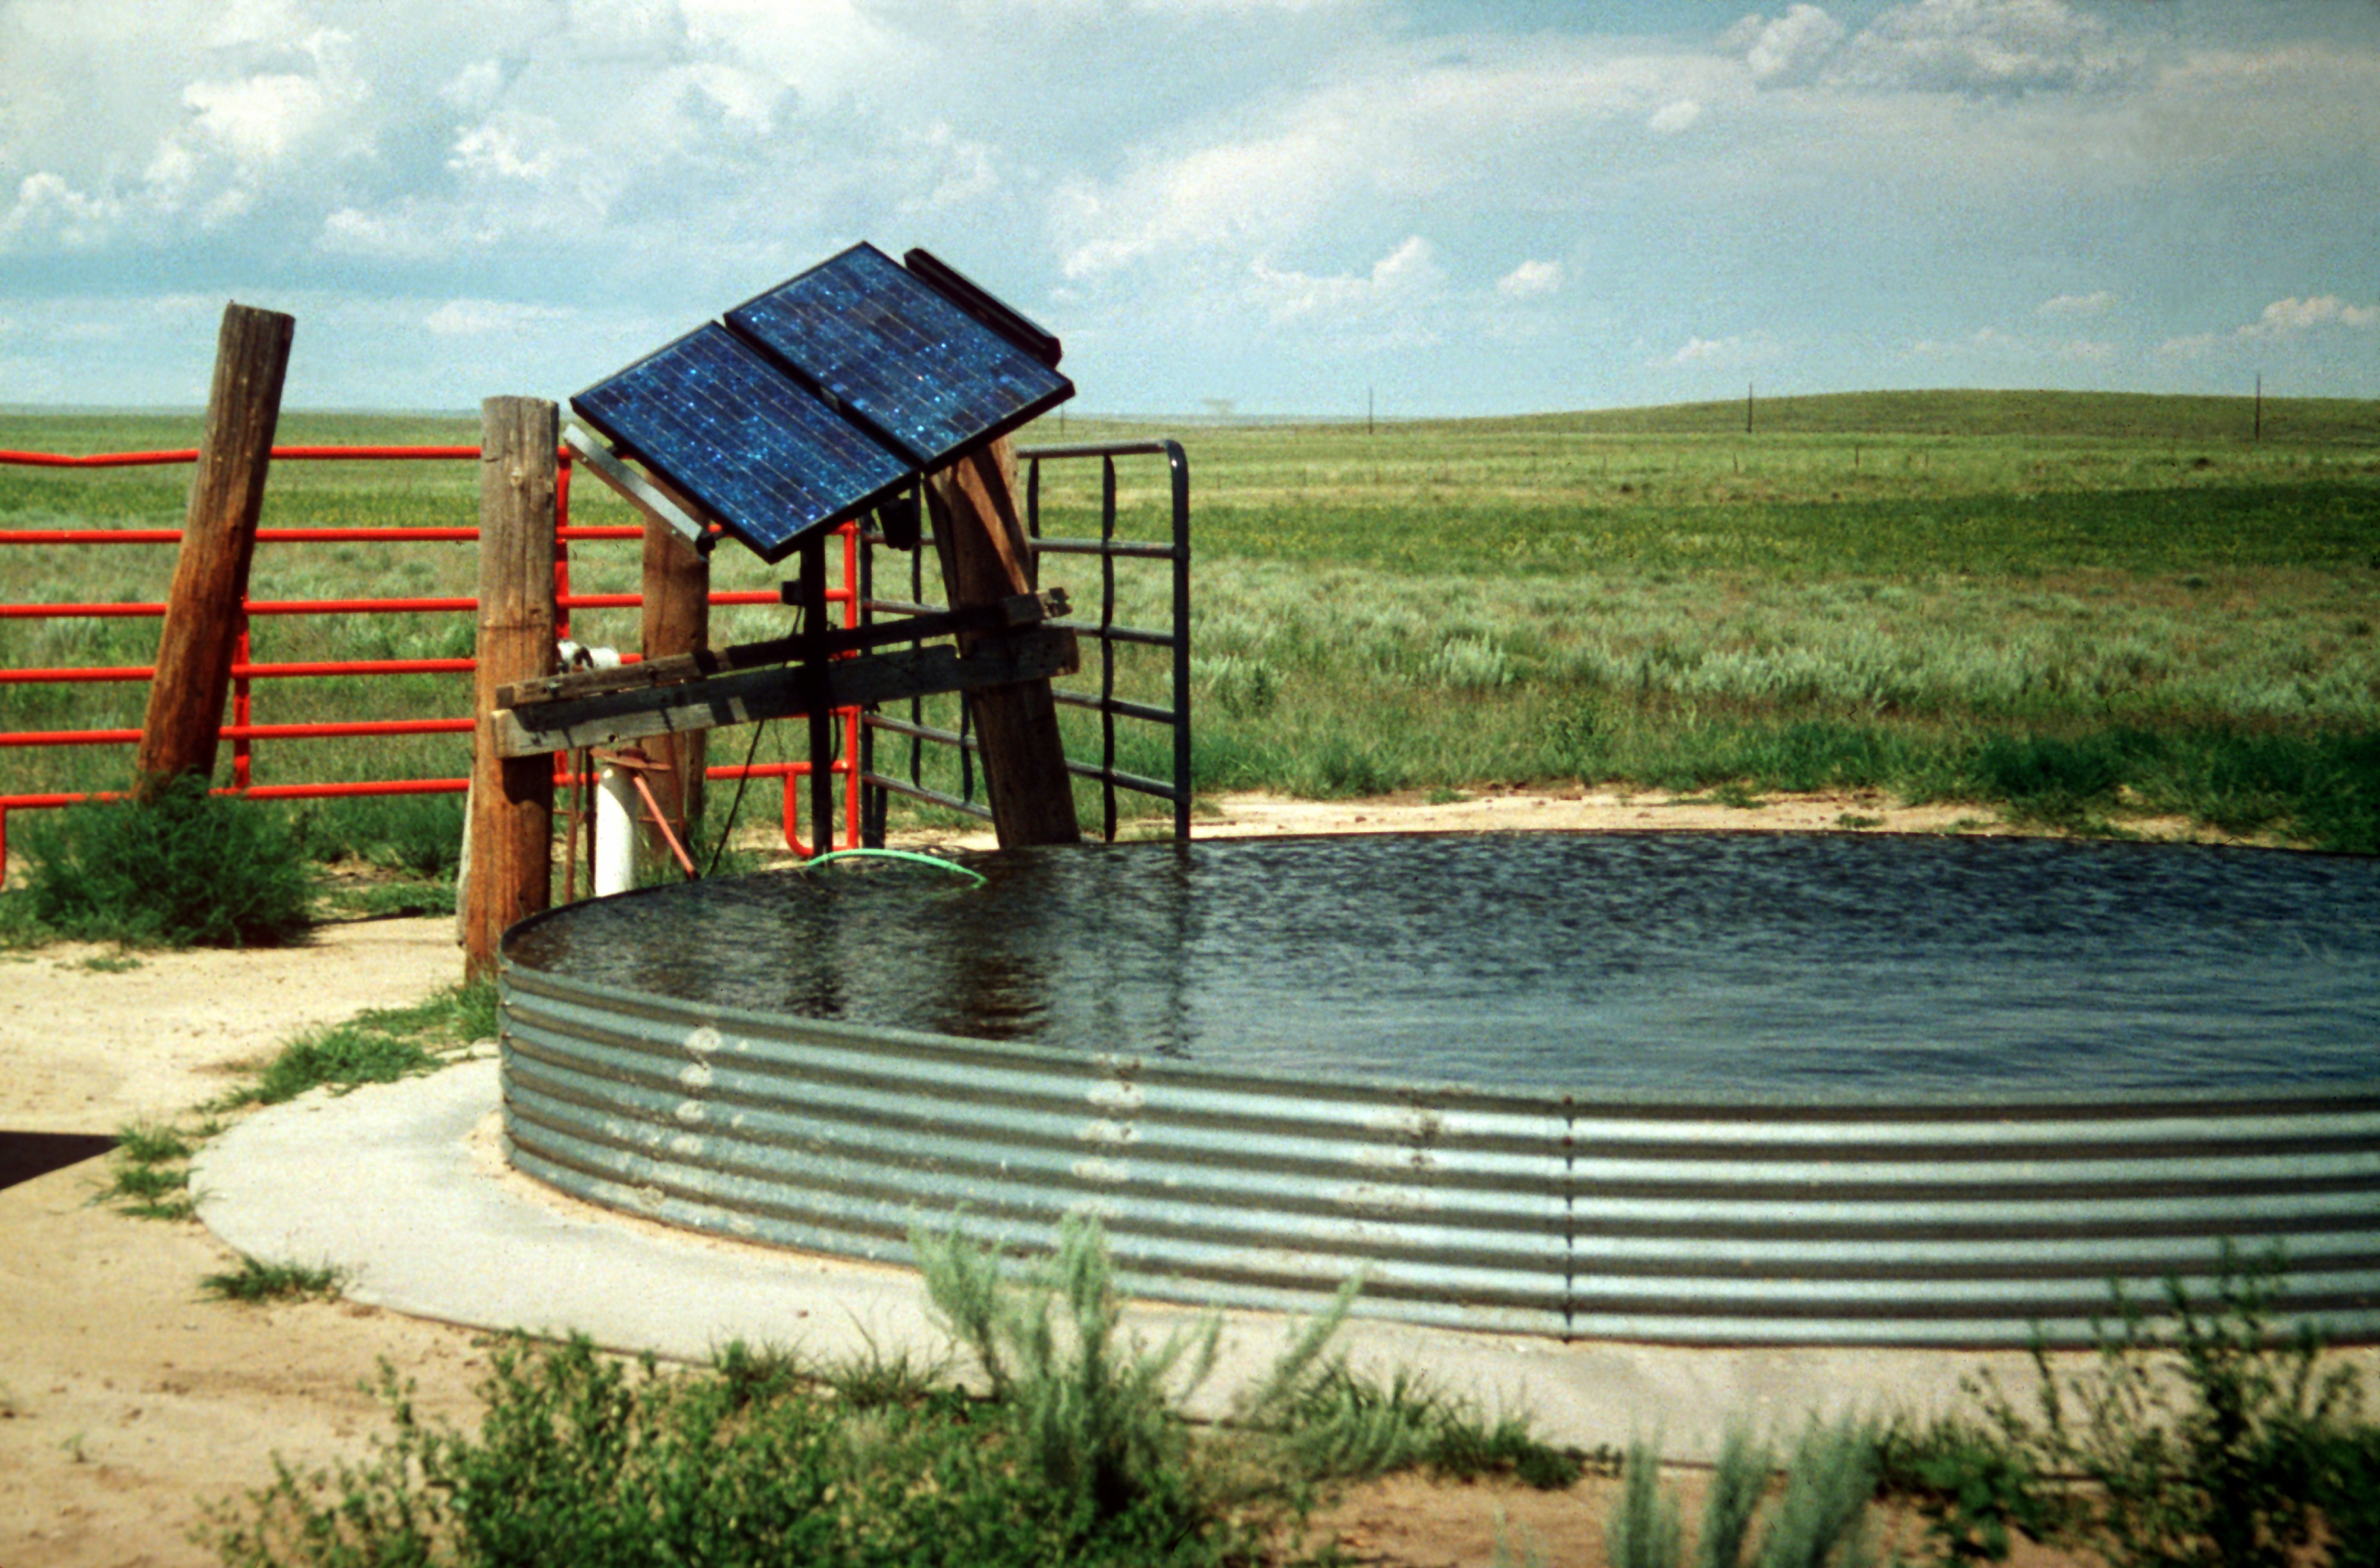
1468	208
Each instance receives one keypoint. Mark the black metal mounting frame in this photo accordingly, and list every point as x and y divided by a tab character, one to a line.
878	785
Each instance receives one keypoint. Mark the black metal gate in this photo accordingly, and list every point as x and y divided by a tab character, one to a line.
909	727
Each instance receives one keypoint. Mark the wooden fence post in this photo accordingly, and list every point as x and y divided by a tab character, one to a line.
511	873
980	534
184	721
676	620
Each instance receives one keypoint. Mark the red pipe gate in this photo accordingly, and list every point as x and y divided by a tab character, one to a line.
243	731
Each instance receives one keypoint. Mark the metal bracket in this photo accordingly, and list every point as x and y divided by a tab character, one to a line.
637	490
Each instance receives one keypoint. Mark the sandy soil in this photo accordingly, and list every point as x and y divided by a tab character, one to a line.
128	1400
88	1046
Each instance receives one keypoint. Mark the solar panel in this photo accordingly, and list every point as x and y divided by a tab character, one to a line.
820	399
756	450
900	356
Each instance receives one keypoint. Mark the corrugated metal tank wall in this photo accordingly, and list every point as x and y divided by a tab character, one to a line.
1965	1223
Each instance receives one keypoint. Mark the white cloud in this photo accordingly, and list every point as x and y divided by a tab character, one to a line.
49	209
637	29
2283	321
1788	49
447	130
1983	46
1673	117
259	119
1397	134
1531	280
1228	194
89	332
1724	353
1993	347
1406	276
405	231
511	146
180	119
474	89
1221	195
265	22
1984	343
954	170
825	51
1201	8
2293	317
2098	302
480	318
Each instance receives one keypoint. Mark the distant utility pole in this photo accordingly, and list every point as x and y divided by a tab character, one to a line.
1368	410
1747	408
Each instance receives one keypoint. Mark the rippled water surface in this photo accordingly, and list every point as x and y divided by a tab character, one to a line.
1702	964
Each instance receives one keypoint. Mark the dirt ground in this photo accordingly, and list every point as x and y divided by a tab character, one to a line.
129	1401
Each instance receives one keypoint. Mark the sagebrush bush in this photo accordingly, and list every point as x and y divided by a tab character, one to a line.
1820	1521
1095	1416
583	1460
1101	1417
1080	1456
1645	1530
2209	1441
183	869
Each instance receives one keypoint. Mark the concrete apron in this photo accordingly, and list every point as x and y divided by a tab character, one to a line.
404	1187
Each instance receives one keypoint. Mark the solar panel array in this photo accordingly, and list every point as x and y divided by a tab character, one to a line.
923	374
819	398
758	452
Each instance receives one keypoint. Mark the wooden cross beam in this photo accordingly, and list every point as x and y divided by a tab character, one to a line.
1013	614
777	691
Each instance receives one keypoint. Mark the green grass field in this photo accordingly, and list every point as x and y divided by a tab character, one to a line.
2072	608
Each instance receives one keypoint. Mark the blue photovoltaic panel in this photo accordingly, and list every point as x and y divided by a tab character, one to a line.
758	451
925	374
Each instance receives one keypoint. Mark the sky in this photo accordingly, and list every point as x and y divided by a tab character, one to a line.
1276	207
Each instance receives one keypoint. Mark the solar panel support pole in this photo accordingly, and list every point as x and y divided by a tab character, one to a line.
979	535
184	721
822	718
676	622
512	797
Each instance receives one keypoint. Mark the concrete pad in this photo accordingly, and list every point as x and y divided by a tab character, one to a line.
404	1187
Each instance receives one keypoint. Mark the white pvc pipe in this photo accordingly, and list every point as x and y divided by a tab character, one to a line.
616	832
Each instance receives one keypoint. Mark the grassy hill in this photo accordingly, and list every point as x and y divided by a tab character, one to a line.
2101	416
2114	416
2074	606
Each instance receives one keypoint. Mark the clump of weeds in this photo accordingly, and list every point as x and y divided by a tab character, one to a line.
182	867
255	1282
1079	1455
2211	1437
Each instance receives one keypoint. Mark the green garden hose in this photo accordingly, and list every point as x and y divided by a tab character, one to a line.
909	855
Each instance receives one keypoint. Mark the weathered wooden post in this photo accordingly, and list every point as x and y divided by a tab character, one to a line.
979	535
677	621
184	721
511	874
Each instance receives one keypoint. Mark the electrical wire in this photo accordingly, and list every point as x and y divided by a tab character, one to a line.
728	827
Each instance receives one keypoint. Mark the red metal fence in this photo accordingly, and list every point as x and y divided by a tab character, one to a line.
243	731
